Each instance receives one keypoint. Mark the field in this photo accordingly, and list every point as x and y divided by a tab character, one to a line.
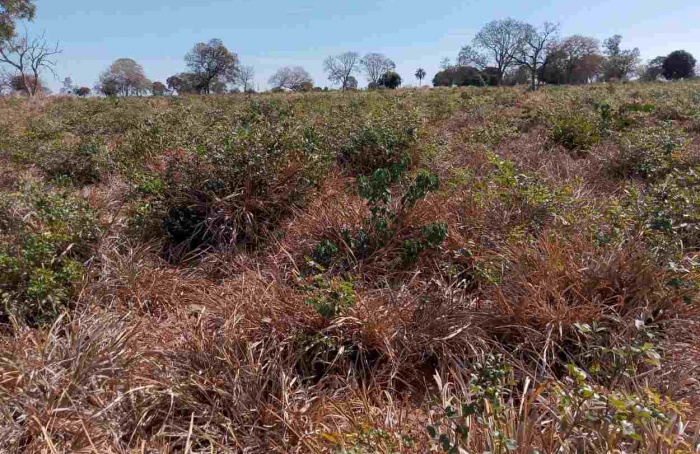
443	270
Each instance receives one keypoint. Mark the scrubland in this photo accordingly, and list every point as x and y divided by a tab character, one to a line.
446	270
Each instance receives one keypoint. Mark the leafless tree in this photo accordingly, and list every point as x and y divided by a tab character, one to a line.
246	77
445	64
502	40
340	68
290	77
28	57
376	65
5	82
533	52
469	56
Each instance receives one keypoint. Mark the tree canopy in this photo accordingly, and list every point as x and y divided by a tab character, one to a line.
293	78
619	64
11	11
376	66
124	77
341	69
212	64
678	65
390	79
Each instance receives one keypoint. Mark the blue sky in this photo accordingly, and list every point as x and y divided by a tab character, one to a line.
273	33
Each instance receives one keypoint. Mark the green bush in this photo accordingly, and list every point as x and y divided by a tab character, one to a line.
574	131
650	152
384	141
46	238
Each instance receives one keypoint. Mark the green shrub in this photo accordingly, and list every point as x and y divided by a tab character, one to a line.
574	131
46	237
650	152
382	142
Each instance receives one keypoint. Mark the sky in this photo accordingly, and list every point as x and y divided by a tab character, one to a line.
274	33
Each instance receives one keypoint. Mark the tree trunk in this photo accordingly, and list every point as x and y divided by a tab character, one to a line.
27	85
533	87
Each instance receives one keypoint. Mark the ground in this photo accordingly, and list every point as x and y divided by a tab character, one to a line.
445	270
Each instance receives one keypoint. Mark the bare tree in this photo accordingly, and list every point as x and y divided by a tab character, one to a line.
376	65
340	68
5	82
445	64
246	76
28	57
469	56
533	52
290	77
502	40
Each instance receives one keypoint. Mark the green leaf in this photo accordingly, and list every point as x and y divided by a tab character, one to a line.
432	432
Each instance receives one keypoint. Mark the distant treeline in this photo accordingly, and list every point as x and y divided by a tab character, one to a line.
503	52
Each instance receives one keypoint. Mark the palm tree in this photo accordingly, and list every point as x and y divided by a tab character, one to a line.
420	75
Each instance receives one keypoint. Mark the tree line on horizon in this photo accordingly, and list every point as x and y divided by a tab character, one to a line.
503	52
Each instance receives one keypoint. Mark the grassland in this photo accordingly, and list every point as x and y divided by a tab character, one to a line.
447	270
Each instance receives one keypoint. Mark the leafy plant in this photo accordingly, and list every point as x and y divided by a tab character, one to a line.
46	238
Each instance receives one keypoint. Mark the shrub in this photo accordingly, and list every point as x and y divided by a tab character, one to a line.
234	187
574	131
384	142
47	237
650	153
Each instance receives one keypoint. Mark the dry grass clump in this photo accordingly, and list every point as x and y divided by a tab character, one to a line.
415	271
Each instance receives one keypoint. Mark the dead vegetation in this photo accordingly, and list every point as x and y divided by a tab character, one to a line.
461	270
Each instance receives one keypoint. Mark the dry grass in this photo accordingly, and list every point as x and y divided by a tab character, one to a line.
548	269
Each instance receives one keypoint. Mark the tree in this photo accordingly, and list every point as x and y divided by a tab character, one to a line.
306	86
461	76
390	80
124	77
188	83
174	83
340	69
652	70
468	56
12	10
533	51
246	77
351	83
445	64
573	60
82	92
158	88
420	75
619	63
502	39
28	57
213	65
290	78
518	75
24	85
679	65
376	65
